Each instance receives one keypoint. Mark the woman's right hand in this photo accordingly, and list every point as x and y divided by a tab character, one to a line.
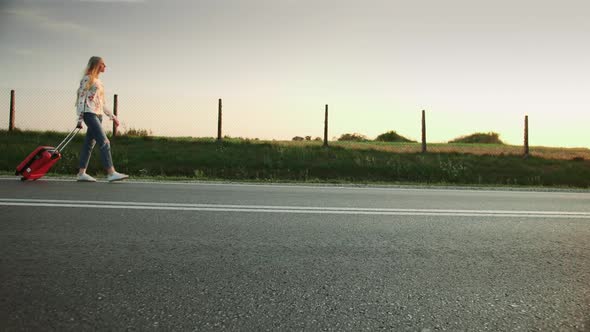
116	122
79	125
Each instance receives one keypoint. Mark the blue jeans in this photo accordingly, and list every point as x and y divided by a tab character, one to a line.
95	134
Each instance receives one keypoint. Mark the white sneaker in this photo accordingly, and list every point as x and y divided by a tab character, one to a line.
116	176
85	178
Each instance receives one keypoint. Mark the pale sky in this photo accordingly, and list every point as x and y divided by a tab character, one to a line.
474	66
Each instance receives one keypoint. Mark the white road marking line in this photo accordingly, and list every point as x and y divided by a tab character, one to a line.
288	209
408	188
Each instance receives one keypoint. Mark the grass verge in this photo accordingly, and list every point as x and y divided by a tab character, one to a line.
364	162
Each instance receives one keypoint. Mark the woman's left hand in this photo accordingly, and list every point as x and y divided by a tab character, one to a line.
116	122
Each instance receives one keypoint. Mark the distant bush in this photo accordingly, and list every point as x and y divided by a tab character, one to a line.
306	138
392	136
480	138
353	137
138	132
240	139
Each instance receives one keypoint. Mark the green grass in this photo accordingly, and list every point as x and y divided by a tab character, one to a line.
356	162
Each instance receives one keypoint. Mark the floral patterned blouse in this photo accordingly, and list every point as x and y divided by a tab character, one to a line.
92	100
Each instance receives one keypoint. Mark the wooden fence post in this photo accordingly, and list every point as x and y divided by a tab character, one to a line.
423	131
326	127
219	121
115	112
526	135
12	111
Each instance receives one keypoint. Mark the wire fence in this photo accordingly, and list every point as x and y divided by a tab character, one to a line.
54	110
205	116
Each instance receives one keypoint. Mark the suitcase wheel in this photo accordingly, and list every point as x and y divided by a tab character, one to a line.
23	178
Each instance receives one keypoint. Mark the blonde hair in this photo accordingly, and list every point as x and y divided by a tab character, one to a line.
92	70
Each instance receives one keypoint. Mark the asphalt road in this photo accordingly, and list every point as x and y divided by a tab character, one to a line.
198	256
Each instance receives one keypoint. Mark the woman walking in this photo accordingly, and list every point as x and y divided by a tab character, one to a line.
90	107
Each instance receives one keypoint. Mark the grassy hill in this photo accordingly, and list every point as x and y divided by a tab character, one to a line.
357	162
479	138
392	136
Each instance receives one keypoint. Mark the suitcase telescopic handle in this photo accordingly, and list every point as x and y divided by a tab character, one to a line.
67	140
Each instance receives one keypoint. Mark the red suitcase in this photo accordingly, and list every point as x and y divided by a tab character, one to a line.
40	161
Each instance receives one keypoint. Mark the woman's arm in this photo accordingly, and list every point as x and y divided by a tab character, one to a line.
81	96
